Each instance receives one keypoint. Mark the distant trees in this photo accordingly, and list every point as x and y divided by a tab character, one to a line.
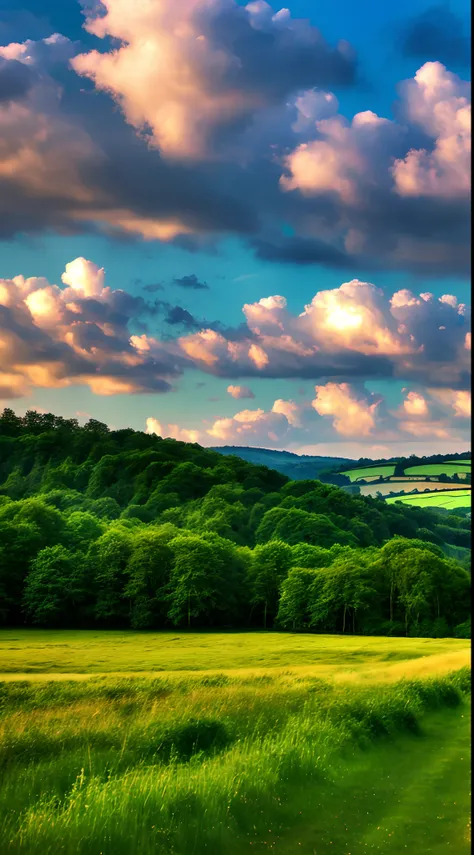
118	528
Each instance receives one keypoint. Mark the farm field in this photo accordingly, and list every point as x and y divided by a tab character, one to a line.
370	471
433	469
245	759
450	499
405	485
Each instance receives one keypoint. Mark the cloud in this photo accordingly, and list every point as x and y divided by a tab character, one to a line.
439	103
186	75
153	426
80	334
191	281
366	193
256	427
240	392
375	191
352	414
415	404
355	330
436	33
16	80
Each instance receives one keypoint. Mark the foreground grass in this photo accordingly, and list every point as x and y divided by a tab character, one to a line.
68	652
209	764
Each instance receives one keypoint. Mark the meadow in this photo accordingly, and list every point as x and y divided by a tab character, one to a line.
433	469
243	742
378	471
405	485
449	499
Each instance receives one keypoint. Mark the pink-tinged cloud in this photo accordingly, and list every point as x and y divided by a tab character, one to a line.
180	77
354	330
54	337
352	414
438	102
153	426
347	157
240	392
415	405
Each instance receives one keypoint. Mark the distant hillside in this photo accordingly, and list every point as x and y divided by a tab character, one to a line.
298	467
102	528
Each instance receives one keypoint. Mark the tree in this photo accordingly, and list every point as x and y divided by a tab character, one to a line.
270	564
82	529
148	572
294	605
107	559
197	582
56	588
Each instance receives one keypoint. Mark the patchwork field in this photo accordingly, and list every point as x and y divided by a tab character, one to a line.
434	469
449	499
370	471
406	486
272	742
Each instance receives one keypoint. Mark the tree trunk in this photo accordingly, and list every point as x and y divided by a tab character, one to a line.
354	621
344	620
265	615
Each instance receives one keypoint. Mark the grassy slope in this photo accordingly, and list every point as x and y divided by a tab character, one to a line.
83	769
64	652
412	796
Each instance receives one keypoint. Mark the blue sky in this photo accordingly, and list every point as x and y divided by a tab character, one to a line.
419	248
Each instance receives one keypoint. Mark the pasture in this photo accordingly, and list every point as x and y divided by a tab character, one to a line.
433	469
449	499
380	471
405	486
232	743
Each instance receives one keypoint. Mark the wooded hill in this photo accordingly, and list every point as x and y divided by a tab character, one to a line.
120	528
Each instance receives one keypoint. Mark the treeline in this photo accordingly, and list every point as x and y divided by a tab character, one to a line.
118	528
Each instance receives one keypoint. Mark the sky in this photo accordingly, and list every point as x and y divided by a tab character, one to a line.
239	224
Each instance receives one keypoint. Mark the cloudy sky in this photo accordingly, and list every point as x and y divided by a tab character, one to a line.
234	223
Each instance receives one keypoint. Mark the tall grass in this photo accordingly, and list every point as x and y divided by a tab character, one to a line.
185	767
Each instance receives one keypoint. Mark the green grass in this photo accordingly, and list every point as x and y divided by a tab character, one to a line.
62	652
380	471
433	469
449	499
220	765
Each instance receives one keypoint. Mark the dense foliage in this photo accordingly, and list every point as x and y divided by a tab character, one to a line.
118	528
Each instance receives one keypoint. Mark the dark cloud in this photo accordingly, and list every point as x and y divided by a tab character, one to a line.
177	315
16	79
191	281
437	34
296	250
153	287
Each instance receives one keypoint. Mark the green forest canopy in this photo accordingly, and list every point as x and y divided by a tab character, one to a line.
123	529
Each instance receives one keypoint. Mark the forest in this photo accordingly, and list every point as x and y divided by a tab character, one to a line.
120	529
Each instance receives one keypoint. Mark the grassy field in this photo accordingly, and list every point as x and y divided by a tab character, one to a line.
382	471
433	469
449	499
60	653
280	742
398	486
